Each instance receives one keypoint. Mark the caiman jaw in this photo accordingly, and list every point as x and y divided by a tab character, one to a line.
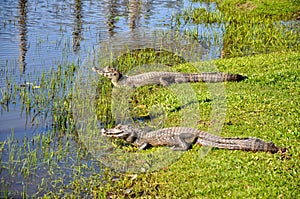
98	70
106	72
116	133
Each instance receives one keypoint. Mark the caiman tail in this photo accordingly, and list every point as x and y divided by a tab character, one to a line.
215	77
247	144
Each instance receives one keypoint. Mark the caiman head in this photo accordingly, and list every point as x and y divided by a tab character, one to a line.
120	131
111	73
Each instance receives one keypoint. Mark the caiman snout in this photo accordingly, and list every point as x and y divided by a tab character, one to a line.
98	70
115	133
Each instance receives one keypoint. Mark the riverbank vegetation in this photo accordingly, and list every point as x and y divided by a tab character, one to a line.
251	27
263	106
261	41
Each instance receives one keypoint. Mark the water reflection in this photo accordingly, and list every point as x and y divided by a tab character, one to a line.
111	15
23	34
77	33
50	33
36	37
134	13
130	10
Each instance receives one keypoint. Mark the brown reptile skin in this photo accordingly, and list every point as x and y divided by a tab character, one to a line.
164	78
181	138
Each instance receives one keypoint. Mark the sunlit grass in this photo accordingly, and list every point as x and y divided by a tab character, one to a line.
263	106
276	10
250	27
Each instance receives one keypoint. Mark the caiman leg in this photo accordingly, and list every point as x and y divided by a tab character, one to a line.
144	146
164	82
179	80
182	144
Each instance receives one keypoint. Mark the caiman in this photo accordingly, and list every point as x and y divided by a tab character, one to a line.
182	138
164	78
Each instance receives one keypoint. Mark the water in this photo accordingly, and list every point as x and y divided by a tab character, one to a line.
38	35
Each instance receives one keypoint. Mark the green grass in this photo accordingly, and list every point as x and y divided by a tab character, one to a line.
280	10
137	57
264	106
251	27
254	27
276	9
